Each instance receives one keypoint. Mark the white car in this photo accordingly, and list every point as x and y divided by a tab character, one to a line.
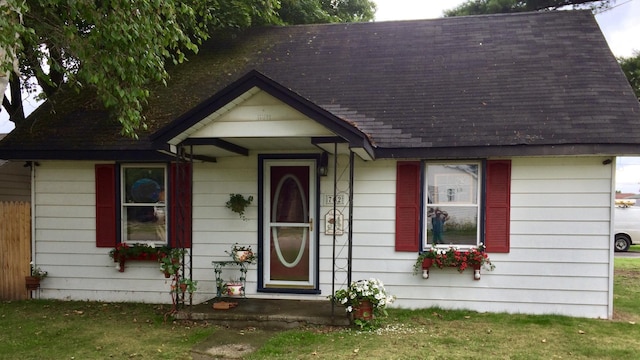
626	227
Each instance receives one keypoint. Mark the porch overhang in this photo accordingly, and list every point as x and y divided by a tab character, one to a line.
257	114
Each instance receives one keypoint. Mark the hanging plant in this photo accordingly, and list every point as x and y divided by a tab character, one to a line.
238	204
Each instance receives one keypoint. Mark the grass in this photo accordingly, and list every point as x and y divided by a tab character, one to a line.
42	329
440	334
463	335
90	330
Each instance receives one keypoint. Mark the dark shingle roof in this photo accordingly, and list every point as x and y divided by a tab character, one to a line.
543	83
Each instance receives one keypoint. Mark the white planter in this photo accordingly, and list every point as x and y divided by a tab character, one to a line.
234	289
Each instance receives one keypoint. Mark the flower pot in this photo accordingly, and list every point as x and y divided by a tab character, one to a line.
427	263
242	255
183	287
476	272
234	289
364	310
167	274
32	282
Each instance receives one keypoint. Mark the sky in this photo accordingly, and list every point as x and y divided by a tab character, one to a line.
628	175
620	26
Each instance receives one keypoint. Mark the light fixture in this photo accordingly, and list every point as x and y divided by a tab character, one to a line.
323	164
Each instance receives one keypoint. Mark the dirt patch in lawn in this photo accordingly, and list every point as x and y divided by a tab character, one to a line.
231	343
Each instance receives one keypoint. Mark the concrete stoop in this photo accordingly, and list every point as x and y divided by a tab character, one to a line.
249	323
267	313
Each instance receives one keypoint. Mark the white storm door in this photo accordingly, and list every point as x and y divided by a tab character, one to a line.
289	214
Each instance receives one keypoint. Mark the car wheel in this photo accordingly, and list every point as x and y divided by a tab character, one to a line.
622	242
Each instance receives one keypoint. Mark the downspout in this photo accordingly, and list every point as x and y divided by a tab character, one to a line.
350	234
33	213
190	205
611	239
333	256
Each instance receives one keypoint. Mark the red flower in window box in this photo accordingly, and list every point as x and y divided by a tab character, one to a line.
140	252
452	256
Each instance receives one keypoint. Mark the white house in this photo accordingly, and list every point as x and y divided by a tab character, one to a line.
509	123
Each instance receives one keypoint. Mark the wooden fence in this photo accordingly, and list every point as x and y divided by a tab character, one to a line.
15	249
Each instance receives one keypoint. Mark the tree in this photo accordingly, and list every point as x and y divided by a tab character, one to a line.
349	10
116	47
119	48
478	7
324	11
631	68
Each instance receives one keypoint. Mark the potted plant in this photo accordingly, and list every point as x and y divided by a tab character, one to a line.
32	282
365	299
187	285
234	287
170	261
453	256
242	254
238	204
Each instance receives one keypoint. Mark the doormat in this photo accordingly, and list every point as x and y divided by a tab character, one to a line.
224	305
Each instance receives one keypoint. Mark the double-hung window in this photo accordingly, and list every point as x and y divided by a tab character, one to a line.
143	203
463	204
452	204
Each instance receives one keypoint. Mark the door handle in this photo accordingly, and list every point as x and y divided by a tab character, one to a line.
311	224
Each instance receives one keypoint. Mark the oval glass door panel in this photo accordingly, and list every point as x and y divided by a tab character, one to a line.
289	235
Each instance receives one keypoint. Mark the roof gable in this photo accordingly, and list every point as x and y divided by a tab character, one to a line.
260	115
240	111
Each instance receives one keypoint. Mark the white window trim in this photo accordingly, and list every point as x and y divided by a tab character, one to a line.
479	197
124	205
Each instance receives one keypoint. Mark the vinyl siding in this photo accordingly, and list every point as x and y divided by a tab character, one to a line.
560	254
65	242
559	260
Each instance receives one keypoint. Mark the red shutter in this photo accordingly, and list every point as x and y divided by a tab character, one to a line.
408	206
497	206
106	205
180	206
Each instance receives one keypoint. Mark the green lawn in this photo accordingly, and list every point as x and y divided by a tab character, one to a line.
38	329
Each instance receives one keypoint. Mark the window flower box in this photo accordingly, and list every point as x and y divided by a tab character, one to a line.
124	252
453	256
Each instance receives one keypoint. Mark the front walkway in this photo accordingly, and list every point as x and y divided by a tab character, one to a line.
267	313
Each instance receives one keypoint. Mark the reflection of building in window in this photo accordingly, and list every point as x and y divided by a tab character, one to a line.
453	186
451	195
